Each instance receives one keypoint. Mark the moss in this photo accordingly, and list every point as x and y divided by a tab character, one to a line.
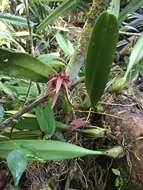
77	59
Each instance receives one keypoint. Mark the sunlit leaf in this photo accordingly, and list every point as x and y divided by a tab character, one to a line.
116	171
136	55
64	44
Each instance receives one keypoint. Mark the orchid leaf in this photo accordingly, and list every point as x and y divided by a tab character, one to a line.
22	65
100	55
17	162
53	150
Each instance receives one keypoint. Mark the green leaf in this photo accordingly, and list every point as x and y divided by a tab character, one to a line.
17	162
136	55
24	134
130	8
21	65
60	125
6	89
118	84
1	112
29	122
100	55
45	118
52	61
65	45
46	149
53	150
16	20
116	172
114	7
65	6
46	58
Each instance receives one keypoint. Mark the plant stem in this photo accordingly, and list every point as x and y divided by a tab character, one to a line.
26	2
25	109
15	187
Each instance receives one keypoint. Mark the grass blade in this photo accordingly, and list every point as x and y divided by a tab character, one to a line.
66	5
130	8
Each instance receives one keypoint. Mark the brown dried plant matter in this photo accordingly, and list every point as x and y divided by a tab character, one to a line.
132	136
128	131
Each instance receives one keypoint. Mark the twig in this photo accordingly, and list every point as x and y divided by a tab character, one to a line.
129	33
25	109
29	26
38	88
121	105
100	113
26	3
27	94
89	113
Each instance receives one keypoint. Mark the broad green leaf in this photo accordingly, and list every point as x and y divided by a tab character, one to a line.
17	162
21	65
64	44
114	7
65	6
32	124
53	150
45	118
130	8
100	55
16	20
27	123
136	55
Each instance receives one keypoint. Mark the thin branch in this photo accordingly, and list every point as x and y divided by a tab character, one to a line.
24	110
130	33
100	113
26	2
27	94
